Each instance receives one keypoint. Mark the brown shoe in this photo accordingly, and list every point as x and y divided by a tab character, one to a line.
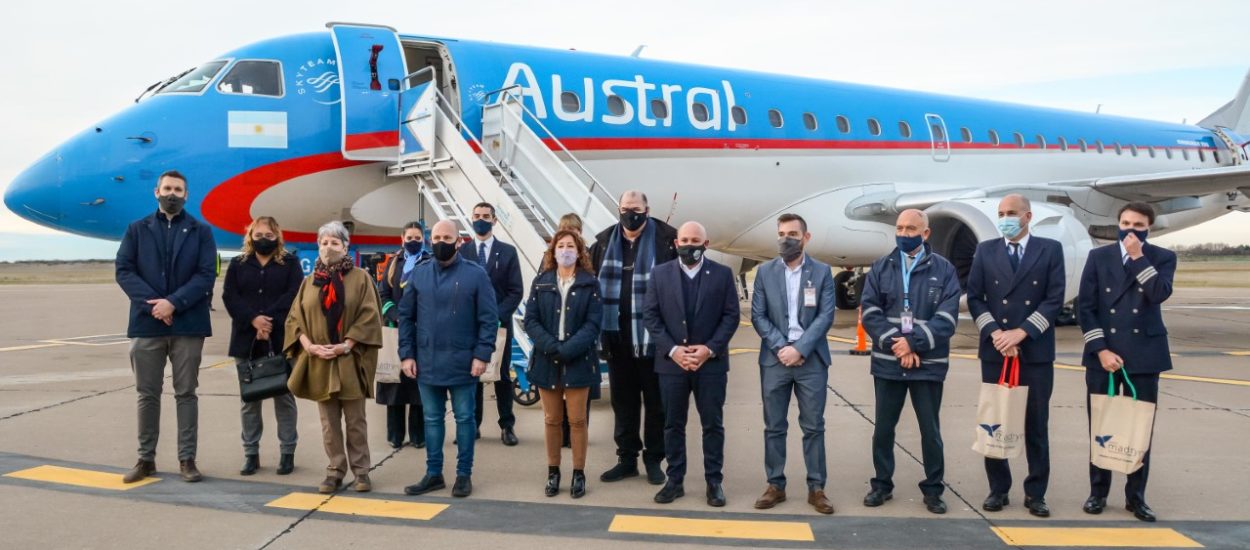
190	473
772	497
818	501
362	484
330	485
142	469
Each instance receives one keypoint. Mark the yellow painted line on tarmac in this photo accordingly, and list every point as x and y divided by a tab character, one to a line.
1096	536
221	364
79	477
1238	353
833	338
31	346
739	351
712	528
352	506
1188	378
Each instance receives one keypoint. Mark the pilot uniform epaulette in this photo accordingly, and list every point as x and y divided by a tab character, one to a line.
1120	307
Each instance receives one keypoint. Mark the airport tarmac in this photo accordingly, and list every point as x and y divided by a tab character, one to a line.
67	430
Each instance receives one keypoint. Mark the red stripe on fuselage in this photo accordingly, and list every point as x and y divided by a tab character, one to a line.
372	140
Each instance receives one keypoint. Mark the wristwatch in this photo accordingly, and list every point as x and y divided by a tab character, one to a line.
347	347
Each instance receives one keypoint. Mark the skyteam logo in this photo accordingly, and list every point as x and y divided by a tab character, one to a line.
1102	440
319	78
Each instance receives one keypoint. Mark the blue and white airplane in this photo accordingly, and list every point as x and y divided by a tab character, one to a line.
304	127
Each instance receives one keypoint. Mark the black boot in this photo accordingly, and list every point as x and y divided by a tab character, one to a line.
250	464
286	464
578	488
553	481
623	469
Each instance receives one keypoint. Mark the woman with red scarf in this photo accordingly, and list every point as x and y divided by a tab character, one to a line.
332	336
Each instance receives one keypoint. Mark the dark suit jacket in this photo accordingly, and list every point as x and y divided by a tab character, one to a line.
1120	307
715	318
505	276
770	310
1029	298
185	277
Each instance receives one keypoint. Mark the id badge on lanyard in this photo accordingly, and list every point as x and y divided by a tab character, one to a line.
907	320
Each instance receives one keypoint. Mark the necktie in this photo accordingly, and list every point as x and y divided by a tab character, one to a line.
481	253
1014	255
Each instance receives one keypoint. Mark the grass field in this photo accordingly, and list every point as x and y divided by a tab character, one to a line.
1215	273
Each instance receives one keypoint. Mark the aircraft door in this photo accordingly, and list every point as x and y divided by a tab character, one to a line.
938	138
371	65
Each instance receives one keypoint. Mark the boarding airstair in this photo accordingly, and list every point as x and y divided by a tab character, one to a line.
517	165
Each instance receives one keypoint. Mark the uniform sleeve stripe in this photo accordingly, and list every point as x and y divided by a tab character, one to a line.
984	320
871	309
887	334
1039	321
1146	275
948	316
929	335
1093	335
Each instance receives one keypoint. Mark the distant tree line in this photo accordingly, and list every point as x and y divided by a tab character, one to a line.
1212	250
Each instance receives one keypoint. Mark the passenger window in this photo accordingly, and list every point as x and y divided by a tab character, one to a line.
1168	151
1063	143
1215	155
938	133
253	78
570	102
844	124
904	129
874	127
1041	141
1019	139
966	134
659	109
774	118
616	105
1202	155
809	121
700	111
739	114
1151	150
1185	153
1098	145
1118	149
1084	147
1132	149
994	137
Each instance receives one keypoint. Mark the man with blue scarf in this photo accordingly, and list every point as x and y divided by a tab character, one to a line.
623	256
910	309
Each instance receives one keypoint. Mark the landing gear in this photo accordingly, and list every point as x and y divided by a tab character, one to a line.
848	285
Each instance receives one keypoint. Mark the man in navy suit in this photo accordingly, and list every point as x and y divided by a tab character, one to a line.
691	311
1122	288
1015	291
499	259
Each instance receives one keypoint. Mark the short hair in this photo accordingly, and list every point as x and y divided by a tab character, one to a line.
485	205
334	229
172	174
1028	204
1139	207
639	193
789	217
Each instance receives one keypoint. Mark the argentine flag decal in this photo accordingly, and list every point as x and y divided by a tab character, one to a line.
257	129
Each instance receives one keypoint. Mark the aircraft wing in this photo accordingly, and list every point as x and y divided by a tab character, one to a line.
1167	185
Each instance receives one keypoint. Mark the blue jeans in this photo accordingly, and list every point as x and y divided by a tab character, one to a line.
434	404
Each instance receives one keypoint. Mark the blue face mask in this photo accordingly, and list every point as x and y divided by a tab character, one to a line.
1010	226
1141	235
482	227
908	244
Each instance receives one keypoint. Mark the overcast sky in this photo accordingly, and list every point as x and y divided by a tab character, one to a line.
70	64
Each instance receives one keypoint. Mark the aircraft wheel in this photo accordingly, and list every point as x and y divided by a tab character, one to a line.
525	398
847	288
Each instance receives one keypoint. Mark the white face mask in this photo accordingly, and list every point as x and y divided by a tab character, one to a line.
566	257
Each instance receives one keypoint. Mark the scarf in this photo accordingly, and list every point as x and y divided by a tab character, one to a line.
611	276
329	281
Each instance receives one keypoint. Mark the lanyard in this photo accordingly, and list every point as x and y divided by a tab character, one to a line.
907	276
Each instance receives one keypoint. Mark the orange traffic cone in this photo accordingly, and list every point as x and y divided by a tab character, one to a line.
861	337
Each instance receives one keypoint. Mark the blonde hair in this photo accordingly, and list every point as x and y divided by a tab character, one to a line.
248	250
583	258
571	221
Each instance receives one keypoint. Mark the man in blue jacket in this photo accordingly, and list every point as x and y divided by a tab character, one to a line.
910	309
1122	290
447	326
499	259
1015	292
166	266
691	311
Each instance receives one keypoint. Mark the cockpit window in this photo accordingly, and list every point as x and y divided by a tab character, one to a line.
252	77
194	80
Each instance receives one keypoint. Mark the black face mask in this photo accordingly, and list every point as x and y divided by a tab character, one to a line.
633	221
444	252
690	254
171	204
264	247
413	247
790	249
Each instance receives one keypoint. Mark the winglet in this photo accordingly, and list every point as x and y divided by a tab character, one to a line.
1235	114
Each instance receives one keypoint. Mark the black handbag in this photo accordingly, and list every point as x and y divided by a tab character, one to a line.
264	377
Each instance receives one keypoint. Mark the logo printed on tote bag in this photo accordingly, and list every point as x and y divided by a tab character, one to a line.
1102	440
990	429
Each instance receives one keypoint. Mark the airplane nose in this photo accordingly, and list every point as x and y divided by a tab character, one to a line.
36	193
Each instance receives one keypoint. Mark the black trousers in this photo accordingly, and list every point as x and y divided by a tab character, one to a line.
1147	390
636	406
503	390
926	400
1040	378
400	416
709	400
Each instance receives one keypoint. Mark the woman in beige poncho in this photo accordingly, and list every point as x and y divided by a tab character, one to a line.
332	336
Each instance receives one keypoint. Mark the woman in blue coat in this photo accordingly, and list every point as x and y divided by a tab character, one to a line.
403	399
563	318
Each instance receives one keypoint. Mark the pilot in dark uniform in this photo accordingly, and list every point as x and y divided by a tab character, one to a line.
1015	291
1122	289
